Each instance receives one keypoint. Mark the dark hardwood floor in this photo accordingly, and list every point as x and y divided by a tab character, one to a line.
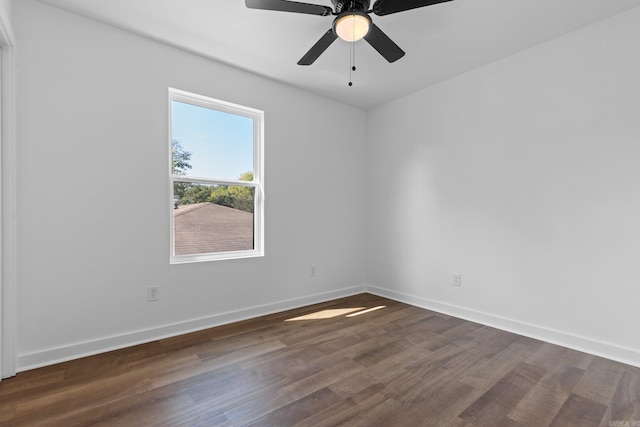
394	366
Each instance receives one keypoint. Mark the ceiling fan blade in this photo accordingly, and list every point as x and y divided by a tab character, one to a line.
383	44
386	7
317	49
289	6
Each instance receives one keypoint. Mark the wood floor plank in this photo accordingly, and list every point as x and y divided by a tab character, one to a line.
539	406
505	395
442	402
345	412
579	411
494	362
298	410
625	405
395	366
600	381
258	405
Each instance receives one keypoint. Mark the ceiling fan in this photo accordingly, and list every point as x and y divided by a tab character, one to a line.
351	24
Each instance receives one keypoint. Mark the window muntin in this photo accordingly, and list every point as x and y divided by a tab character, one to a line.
216	179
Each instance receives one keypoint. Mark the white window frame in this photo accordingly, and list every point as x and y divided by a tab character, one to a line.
258	175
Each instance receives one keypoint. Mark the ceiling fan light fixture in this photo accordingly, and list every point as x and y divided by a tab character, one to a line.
352	26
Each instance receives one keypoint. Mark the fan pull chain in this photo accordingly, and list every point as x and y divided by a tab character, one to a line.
353	62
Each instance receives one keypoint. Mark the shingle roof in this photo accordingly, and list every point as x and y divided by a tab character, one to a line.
206	227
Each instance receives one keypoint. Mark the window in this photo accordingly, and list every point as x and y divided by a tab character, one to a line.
216	179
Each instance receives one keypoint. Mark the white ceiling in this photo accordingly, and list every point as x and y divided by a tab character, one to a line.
440	41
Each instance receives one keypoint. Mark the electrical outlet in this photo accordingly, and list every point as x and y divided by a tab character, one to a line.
457	280
153	293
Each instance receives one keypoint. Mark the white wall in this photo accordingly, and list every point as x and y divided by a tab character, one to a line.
6	7
93	213
524	177
7	177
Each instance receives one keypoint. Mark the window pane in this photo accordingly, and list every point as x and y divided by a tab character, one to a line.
210	144
212	218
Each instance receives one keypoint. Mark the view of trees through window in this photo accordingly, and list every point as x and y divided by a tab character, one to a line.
185	193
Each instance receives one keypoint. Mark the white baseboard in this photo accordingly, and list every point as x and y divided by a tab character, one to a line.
52	356
88	348
611	351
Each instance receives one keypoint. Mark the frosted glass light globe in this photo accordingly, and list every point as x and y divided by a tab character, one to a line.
352	27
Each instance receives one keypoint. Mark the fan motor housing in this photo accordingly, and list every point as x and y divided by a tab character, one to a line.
347	5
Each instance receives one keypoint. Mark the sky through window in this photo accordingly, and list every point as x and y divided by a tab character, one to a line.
220	143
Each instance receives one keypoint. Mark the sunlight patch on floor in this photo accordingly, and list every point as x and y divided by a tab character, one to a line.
369	310
336	312
326	314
